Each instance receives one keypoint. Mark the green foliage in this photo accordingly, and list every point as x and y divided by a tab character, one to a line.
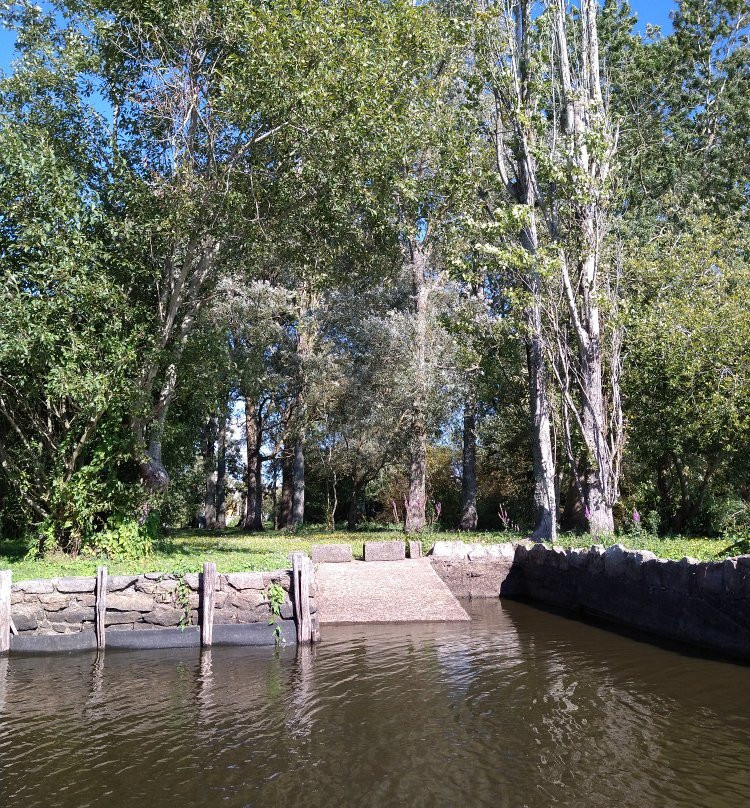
182	601
687	383
275	594
126	538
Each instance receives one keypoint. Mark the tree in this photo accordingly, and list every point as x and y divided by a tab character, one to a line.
67	338
687	375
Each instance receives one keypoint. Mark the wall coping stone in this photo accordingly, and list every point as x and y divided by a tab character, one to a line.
385	550
331	553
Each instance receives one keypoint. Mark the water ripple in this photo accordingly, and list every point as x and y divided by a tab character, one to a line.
517	708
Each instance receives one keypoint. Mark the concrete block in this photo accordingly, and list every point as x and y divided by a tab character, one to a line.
121	618
249	599
385	550
711	577
119	582
615	559
75	584
477	552
287	610
505	551
257	615
331	553
192	580
450	550
27	618
130	603
53	603
415	549
164	616
245	580
34	587
281	577
74	614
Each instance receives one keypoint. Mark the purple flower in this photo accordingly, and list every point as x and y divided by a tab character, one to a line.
587	512
636	517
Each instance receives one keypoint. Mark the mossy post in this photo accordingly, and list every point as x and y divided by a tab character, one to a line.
208	588
5	579
301	592
101	605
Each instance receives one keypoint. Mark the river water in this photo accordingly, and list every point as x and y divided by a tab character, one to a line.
519	708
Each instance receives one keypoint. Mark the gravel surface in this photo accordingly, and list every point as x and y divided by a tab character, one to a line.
407	591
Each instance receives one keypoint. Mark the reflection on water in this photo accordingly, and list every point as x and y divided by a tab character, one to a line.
518	708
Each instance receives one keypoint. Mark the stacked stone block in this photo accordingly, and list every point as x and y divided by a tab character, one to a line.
141	602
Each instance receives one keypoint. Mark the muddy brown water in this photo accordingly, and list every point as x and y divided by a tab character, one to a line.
518	708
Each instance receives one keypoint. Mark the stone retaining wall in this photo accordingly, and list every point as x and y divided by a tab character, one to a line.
140	602
702	603
477	570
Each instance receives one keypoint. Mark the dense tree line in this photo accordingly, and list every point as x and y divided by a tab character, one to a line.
472	264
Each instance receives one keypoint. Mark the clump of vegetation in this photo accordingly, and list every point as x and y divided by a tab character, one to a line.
275	594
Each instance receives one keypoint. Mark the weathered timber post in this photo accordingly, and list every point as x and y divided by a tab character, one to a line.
5	621
101	605
208	587
301	589
315	628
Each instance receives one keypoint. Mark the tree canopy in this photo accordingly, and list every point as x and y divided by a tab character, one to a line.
476	264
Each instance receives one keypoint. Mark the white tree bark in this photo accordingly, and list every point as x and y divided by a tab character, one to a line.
416	497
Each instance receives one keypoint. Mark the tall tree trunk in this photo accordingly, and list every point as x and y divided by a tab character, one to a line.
180	300
583	118
468	519
253	511
351	520
416	498
221	475
209	465
598	469
287	488
524	190
543	459
258	510
663	465
298	486
542	455
274	492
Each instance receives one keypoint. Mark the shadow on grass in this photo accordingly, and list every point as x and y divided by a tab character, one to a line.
14	550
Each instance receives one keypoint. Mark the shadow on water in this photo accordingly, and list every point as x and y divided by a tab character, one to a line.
637	635
520	707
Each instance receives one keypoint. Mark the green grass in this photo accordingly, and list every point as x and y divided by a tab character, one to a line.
702	548
234	551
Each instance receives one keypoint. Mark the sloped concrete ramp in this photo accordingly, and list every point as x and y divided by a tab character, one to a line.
384	592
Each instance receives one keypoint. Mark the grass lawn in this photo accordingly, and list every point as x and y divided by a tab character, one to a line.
234	551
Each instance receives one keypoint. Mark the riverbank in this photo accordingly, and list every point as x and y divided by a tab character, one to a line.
235	551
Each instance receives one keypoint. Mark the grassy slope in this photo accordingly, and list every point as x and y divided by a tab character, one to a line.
185	551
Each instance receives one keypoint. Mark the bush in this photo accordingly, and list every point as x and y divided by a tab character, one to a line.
127	539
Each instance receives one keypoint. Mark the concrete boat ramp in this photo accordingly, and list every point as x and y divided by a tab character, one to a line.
400	591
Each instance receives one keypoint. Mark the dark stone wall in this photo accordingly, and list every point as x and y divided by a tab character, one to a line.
706	604
702	603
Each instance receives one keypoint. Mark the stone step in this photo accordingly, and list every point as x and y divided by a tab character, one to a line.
406	591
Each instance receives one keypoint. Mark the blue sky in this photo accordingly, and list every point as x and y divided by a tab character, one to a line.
655	12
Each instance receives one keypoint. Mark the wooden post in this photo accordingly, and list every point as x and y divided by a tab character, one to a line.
101	605
207	603
5	621
301	575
